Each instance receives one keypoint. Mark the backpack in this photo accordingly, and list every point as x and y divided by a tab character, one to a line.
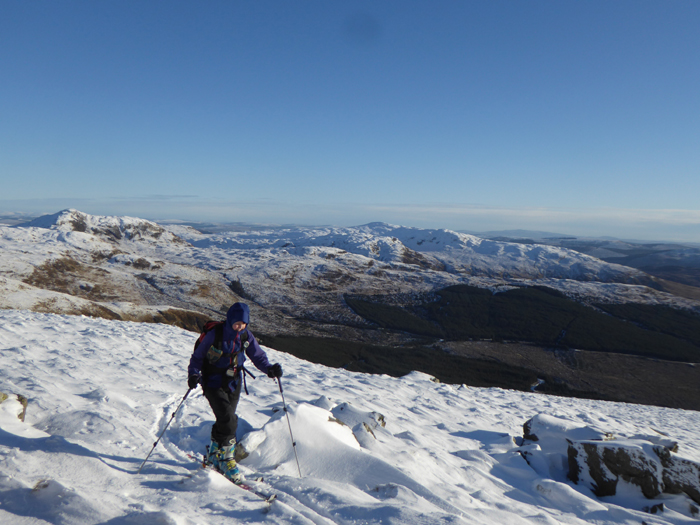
215	351
218	338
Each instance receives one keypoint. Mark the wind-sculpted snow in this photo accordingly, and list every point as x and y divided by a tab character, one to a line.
100	392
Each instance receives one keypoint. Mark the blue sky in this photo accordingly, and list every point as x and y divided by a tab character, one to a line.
579	117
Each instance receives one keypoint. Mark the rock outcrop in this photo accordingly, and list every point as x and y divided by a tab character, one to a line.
363	424
652	467
545	443
560	448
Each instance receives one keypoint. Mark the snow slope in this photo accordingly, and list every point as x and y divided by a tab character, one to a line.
101	391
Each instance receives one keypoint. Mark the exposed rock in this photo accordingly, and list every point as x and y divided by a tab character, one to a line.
553	446
601	465
546	439
351	416
240	452
113	229
422	261
679	474
363	424
545	427
23	402
553	432
659	507
653	468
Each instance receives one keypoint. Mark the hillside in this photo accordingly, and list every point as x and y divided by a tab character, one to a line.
677	263
100	392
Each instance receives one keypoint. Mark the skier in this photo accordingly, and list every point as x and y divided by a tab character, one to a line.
217	364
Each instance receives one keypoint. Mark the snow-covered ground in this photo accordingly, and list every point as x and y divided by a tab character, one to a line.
101	391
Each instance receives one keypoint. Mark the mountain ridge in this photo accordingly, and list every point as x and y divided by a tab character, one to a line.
302	272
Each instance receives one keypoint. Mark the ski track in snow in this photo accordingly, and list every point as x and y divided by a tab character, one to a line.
101	391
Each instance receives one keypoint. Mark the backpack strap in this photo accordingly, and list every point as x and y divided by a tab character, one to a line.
245	371
210	370
208	326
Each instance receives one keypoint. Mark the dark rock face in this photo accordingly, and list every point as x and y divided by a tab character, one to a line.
607	462
651	467
659	507
680	475
528	434
597	459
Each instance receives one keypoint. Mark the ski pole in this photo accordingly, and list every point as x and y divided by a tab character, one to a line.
294	443
163	432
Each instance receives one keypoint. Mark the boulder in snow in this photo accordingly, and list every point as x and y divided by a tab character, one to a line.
601	465
362	423
558	448
652	467
18	404
546	439
679	474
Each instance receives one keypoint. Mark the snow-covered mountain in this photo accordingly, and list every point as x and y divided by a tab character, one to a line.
129	268
110	228
114	267
101	391
679	263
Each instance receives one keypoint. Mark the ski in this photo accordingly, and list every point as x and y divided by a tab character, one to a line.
268	498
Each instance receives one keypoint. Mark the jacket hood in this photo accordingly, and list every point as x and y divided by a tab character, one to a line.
238	312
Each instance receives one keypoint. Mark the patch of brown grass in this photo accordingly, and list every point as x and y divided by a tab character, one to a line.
64	275
679	289
187	319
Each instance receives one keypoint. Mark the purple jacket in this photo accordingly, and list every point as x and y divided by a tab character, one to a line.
214	375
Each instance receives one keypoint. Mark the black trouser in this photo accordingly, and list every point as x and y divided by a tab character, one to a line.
223	403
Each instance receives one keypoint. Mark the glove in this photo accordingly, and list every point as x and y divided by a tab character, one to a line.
274	371
193	381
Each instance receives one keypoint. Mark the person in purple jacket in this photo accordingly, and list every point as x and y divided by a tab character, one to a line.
217	364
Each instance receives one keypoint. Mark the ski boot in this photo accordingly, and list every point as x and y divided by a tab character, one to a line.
228	465
214	455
